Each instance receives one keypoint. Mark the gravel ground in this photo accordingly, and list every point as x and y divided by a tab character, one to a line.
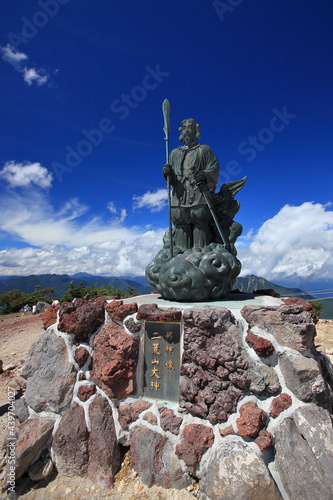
17	333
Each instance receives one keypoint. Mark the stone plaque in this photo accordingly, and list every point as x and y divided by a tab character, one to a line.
161	360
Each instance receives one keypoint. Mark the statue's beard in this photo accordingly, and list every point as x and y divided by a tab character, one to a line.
185	138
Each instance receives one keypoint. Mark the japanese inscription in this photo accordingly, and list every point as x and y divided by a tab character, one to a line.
161	360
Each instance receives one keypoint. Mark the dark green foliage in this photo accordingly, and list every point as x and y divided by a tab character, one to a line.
14	300
316	307
89	292
327	308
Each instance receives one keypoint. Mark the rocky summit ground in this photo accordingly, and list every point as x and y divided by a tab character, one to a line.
17	333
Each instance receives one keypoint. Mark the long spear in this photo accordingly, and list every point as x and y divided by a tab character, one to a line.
166	128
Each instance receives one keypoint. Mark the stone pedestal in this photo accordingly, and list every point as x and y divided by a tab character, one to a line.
250	381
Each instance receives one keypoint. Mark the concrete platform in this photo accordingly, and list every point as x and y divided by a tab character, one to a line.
234	302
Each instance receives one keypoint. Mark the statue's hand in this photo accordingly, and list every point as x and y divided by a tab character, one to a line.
167	170
200	178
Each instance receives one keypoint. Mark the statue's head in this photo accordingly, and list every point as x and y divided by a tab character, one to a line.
189	131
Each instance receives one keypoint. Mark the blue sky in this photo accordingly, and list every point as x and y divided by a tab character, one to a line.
82	146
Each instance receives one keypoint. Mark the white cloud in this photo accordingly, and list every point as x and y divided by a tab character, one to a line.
16	59
108	258
155	201
31	218
26	174
119	215
122	216
31	75
66	240
10	55
72	209
297	242
112	207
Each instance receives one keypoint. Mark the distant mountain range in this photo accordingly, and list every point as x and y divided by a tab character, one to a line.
60	282
319	288
252	282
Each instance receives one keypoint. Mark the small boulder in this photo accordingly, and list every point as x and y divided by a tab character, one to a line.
236	471
31	437
49	374
264	440
291	324
42	306
151	312
279	404
169	421
81	356
128	413
86	391
50	316
197	439
115	361
82	317
154	459
304	453
303	377
118	311
262	347
252	419
41	469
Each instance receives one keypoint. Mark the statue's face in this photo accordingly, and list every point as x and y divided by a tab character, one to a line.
187	132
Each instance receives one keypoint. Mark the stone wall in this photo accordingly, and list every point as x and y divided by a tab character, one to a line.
254	418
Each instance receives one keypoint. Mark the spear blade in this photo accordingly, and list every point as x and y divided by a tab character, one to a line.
166	115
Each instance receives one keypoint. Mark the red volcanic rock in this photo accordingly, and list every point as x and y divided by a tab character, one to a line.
169	421
196	440
280	404
115	361
263	347
118	311
264	440
130	412
81	356
86	391
252	419
82	317
50	316
307	306
152	313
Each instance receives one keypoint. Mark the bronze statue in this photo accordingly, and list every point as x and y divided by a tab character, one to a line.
192	168
198	261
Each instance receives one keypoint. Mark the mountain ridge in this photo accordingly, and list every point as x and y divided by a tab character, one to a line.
59	283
